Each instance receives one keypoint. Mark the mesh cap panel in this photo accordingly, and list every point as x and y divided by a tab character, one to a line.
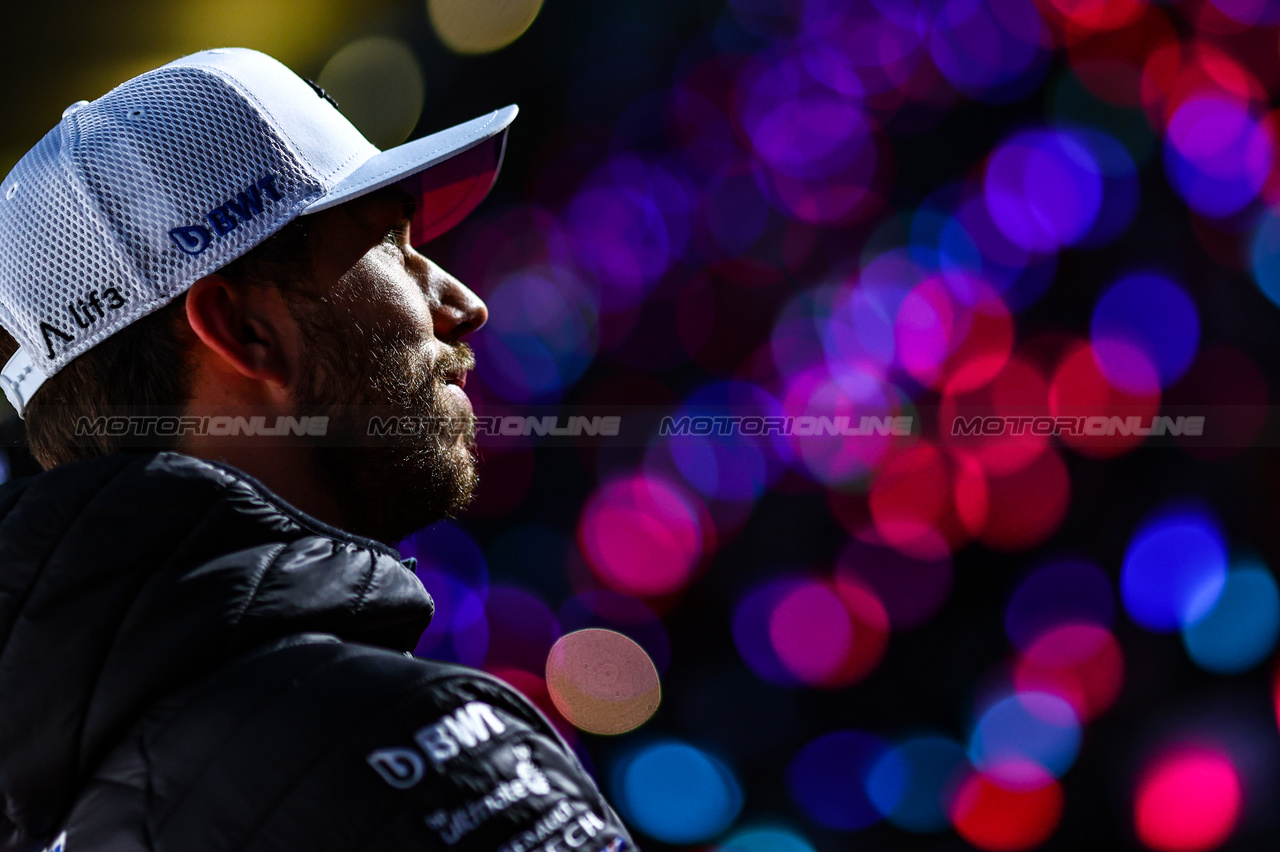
134	197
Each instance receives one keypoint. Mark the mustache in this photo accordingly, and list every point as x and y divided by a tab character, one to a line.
457	358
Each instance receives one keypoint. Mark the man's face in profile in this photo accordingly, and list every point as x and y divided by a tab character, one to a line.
382	336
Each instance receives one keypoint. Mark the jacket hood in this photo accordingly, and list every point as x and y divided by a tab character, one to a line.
123	577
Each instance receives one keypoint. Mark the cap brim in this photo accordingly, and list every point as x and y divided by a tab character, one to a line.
450	172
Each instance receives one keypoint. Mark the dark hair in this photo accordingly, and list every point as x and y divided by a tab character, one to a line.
145	367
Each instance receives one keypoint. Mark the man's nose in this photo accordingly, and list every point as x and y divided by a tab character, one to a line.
460	310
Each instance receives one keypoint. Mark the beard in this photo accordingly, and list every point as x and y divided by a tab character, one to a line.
389	486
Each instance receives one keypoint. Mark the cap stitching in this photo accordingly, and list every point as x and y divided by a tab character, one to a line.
271	119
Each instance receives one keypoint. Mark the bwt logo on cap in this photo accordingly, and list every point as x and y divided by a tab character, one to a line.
225	218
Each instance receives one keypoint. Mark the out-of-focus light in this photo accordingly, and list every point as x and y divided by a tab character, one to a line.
797	342
955	332
846	418
1004	816
459	631
1264	255
995	51
1019	275
733	468
797	125
911	590
1217	155
622	613
1110	64
1023	730
1024	507
1174	569
1188	801
481	26
860	325
845	198
1275	694
870	625
1152	314
751	627
1018	390
496	243
677	793
913	783
1061	593
1175	73
1044	189
765	839
627	224
1121	189
378	85
827	779
811	632
446	548
642	536
602	682
816	147
828	634
522	629
541	336
1107	420
1240	630
925	330
1080	663
1251	12
913	502
534	688
1087	16
875	43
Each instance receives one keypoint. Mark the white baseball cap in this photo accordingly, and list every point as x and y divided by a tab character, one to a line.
172	175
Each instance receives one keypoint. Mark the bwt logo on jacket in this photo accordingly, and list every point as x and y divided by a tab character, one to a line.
441	741
226	217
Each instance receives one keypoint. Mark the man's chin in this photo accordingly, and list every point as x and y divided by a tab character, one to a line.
391	492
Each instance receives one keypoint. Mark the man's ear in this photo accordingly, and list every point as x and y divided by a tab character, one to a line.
250	329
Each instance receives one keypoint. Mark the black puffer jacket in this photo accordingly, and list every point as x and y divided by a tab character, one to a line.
187	663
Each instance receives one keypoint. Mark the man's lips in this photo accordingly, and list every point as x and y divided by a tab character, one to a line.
459	379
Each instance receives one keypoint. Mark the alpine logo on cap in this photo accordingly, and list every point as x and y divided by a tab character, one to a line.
226	217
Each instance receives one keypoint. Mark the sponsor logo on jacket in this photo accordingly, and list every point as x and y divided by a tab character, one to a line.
454	824
440	742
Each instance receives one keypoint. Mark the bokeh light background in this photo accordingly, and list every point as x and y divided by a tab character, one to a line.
846	215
